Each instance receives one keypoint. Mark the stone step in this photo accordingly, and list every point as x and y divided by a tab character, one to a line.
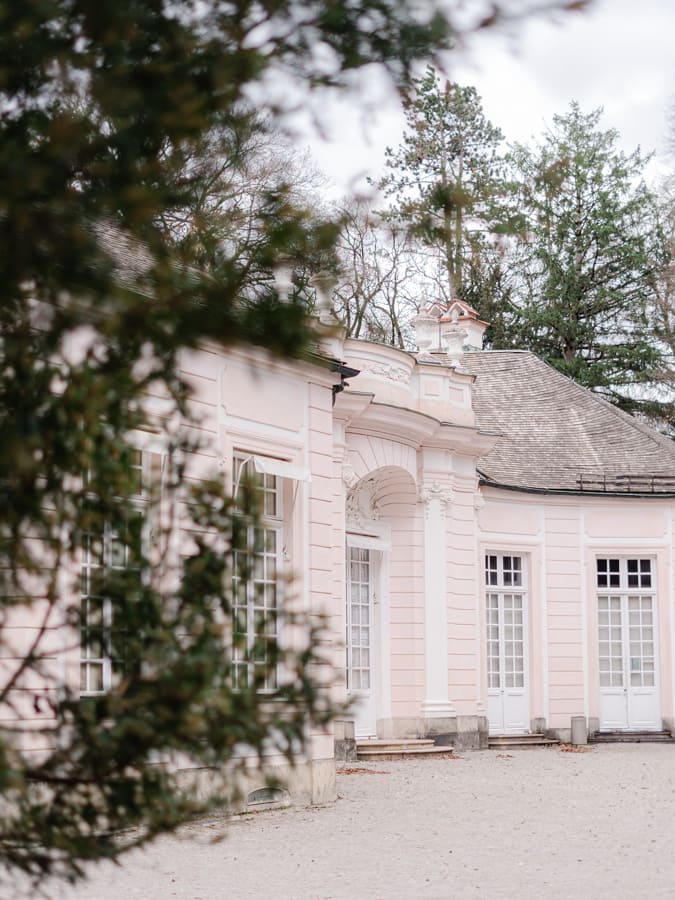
404	753
520	741
631	737
403	748
393	743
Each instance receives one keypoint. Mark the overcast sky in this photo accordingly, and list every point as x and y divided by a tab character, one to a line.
619	55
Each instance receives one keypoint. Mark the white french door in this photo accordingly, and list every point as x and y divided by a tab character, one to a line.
627	635
360	639
506	627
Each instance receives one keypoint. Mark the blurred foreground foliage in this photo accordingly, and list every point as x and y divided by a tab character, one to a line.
104	107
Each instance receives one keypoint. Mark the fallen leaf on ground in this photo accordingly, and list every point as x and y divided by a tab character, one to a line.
358	771
574	748
505	756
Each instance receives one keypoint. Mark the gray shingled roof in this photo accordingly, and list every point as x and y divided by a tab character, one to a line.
553	431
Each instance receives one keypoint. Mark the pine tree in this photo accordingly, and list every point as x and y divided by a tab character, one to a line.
102	107
445	178
591	250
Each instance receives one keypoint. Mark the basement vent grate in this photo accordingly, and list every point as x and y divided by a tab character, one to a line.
266	795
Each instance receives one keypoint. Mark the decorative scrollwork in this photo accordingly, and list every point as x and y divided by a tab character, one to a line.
361	504
435	491
391	373
349	476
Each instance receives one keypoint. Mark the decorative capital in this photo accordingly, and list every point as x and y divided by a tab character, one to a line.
435	491
478	501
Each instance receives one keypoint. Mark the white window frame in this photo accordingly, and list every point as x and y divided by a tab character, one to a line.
88	662
505	581
276	477
618	586
378	542
352	647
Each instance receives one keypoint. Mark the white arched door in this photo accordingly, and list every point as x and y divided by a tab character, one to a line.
366	633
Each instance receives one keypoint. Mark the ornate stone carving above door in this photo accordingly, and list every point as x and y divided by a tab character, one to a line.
361	503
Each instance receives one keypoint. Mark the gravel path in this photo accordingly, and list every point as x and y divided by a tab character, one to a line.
530	823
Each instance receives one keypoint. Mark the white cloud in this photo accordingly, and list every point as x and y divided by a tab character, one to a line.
618	55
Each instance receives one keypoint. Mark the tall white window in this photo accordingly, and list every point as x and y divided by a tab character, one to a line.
358	619
626	601
256	578
105	550
505	620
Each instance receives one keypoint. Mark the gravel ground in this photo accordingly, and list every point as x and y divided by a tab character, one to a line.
529	823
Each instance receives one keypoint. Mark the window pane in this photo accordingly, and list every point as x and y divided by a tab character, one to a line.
95	672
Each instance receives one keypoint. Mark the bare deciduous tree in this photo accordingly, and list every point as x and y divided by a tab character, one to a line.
382	279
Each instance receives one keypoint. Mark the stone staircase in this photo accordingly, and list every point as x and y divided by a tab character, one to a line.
631	737
375	749
520	741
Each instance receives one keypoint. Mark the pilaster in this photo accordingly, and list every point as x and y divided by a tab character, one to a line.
436	498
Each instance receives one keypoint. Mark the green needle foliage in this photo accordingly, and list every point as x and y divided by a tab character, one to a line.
446	177
103	109
104	106
591	250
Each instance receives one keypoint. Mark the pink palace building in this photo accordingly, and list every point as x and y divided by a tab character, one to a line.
491	543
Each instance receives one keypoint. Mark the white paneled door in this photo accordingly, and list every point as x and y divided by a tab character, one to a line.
360	643
627	634
506	626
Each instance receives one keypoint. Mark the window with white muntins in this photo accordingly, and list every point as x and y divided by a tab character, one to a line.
505	620
256	577
358	620
105	550
626	608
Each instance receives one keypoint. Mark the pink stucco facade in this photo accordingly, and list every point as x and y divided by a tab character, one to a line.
411	467
455	607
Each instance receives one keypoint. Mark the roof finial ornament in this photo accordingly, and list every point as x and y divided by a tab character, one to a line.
323	283
453	336
283	279
455	324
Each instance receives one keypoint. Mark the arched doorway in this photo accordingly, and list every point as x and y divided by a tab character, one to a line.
381	553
